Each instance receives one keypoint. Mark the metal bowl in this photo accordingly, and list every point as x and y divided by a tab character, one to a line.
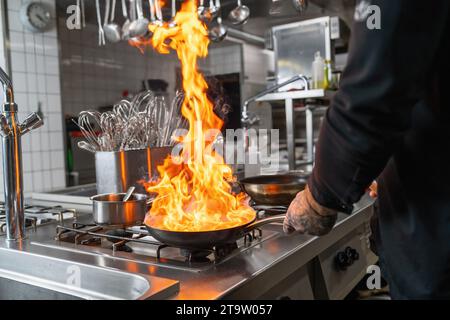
277	190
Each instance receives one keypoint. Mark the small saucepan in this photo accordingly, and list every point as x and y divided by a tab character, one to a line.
109	210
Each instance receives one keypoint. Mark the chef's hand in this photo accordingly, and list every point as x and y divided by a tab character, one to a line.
305	215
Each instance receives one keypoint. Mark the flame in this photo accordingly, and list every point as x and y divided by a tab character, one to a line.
194	194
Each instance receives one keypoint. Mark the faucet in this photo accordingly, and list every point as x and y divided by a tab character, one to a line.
11	131
248	119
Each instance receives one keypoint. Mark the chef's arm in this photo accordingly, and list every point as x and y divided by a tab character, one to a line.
387	74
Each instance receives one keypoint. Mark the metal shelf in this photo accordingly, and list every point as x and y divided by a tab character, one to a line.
288	97
297	95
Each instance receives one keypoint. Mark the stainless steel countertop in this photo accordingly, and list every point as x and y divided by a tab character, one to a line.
221	280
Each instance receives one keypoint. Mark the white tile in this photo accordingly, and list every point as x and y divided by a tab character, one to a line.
57	159
29	43
14	21
21	100
41	84
26	142
26	162
16	41
50	46
32	82
55	122
46	165
37	161
47	179
56	141
28	181
19	81
18	62
54	102
53	85
45	141
35	141
58	178
40	64
31	62
14	5
38	182
39	44
51	65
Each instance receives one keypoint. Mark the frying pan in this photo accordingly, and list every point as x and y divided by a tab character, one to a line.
277	190
208	239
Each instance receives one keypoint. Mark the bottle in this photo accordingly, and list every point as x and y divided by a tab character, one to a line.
318	67
327	81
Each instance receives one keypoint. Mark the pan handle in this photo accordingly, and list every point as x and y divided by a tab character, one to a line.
259	223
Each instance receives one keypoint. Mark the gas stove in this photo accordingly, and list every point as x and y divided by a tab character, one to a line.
136	242
37	215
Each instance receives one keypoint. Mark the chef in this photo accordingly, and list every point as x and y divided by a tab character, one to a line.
390	121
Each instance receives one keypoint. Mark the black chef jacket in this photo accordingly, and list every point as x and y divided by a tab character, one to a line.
391	118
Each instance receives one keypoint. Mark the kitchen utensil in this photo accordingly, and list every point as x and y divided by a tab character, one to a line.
101	32
126	24
119	170
110	210
86	146
89	124
202	11
113	32
274	189
151	4
129	194
172	22
300	5
218	31
208	239
240	14
214	8
158	12
139	27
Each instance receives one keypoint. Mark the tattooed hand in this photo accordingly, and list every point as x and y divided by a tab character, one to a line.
305	215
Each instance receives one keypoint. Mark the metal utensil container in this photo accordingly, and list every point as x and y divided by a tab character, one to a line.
118	171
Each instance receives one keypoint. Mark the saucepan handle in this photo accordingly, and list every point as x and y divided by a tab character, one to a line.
152	199
259	223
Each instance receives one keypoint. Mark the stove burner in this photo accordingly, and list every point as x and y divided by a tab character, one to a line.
119	244
37	215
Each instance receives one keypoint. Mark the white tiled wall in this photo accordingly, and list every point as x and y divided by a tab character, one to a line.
35	75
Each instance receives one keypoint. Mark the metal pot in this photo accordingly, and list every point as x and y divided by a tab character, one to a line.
109	210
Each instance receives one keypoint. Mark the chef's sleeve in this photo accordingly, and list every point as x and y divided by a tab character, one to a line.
388	72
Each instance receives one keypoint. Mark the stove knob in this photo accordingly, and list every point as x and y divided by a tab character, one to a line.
341	261
352	253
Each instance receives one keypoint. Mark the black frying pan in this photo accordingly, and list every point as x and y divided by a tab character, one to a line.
208	239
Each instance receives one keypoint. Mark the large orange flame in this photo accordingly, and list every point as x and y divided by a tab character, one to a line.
194	194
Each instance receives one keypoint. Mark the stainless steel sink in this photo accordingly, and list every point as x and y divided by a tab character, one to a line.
26	275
